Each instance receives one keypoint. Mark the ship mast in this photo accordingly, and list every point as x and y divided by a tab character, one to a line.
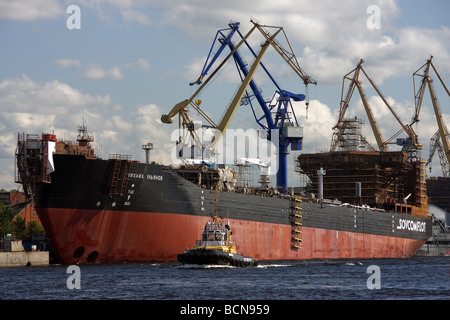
83	137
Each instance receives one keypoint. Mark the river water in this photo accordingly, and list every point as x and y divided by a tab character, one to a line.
424	278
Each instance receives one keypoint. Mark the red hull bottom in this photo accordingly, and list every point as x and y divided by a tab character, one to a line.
92	236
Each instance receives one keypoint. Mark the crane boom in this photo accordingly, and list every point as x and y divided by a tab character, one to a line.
180	108
233	27
412	142
407	128
226	40
354	82
427	81
440	122
373	122
278	113
345	103
238	97
287	55
435	144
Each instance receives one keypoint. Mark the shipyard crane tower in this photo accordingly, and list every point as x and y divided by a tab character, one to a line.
435	144
278	120
410	144
441	139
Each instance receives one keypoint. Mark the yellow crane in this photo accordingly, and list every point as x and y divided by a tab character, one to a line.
435	144
426	81
181	108
356	83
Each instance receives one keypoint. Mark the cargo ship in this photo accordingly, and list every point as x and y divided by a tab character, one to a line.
370	204
118	210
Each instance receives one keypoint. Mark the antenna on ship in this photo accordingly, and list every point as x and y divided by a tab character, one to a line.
83	137
147	147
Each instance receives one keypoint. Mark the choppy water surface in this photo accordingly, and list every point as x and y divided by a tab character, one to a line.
416	278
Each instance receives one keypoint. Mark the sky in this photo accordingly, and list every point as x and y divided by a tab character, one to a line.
121	64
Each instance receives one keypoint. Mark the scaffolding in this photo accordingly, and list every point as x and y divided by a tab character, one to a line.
34	156
384	179
32	163
243	175
348	136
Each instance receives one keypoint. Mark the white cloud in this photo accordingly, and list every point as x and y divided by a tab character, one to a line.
132	15
317	122
328	37
130	10
37	107
143	64
30	10
68	63
98	73
51	97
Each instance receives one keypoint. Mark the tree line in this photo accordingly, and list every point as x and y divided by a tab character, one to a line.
16	226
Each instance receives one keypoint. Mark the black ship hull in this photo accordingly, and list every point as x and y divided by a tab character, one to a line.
97	211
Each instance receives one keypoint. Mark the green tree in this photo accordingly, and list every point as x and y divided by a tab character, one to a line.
24	232
6	224
20	229
35	228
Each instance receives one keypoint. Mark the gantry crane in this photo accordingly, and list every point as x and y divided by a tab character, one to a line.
410	145
278	114
443	145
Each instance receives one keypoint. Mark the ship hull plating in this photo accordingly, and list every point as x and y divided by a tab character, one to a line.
159	214
113	237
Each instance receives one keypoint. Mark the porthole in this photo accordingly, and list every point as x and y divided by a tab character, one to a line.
78	252
92	256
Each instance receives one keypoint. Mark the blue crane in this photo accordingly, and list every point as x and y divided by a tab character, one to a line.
278	114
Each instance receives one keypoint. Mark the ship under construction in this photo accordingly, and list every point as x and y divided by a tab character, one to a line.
376	179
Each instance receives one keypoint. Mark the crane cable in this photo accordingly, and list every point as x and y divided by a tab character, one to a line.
307	99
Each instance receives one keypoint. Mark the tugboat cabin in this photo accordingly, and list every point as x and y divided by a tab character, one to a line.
217	236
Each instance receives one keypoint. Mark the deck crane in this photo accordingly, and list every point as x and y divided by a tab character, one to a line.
443	145
278	114
410	145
